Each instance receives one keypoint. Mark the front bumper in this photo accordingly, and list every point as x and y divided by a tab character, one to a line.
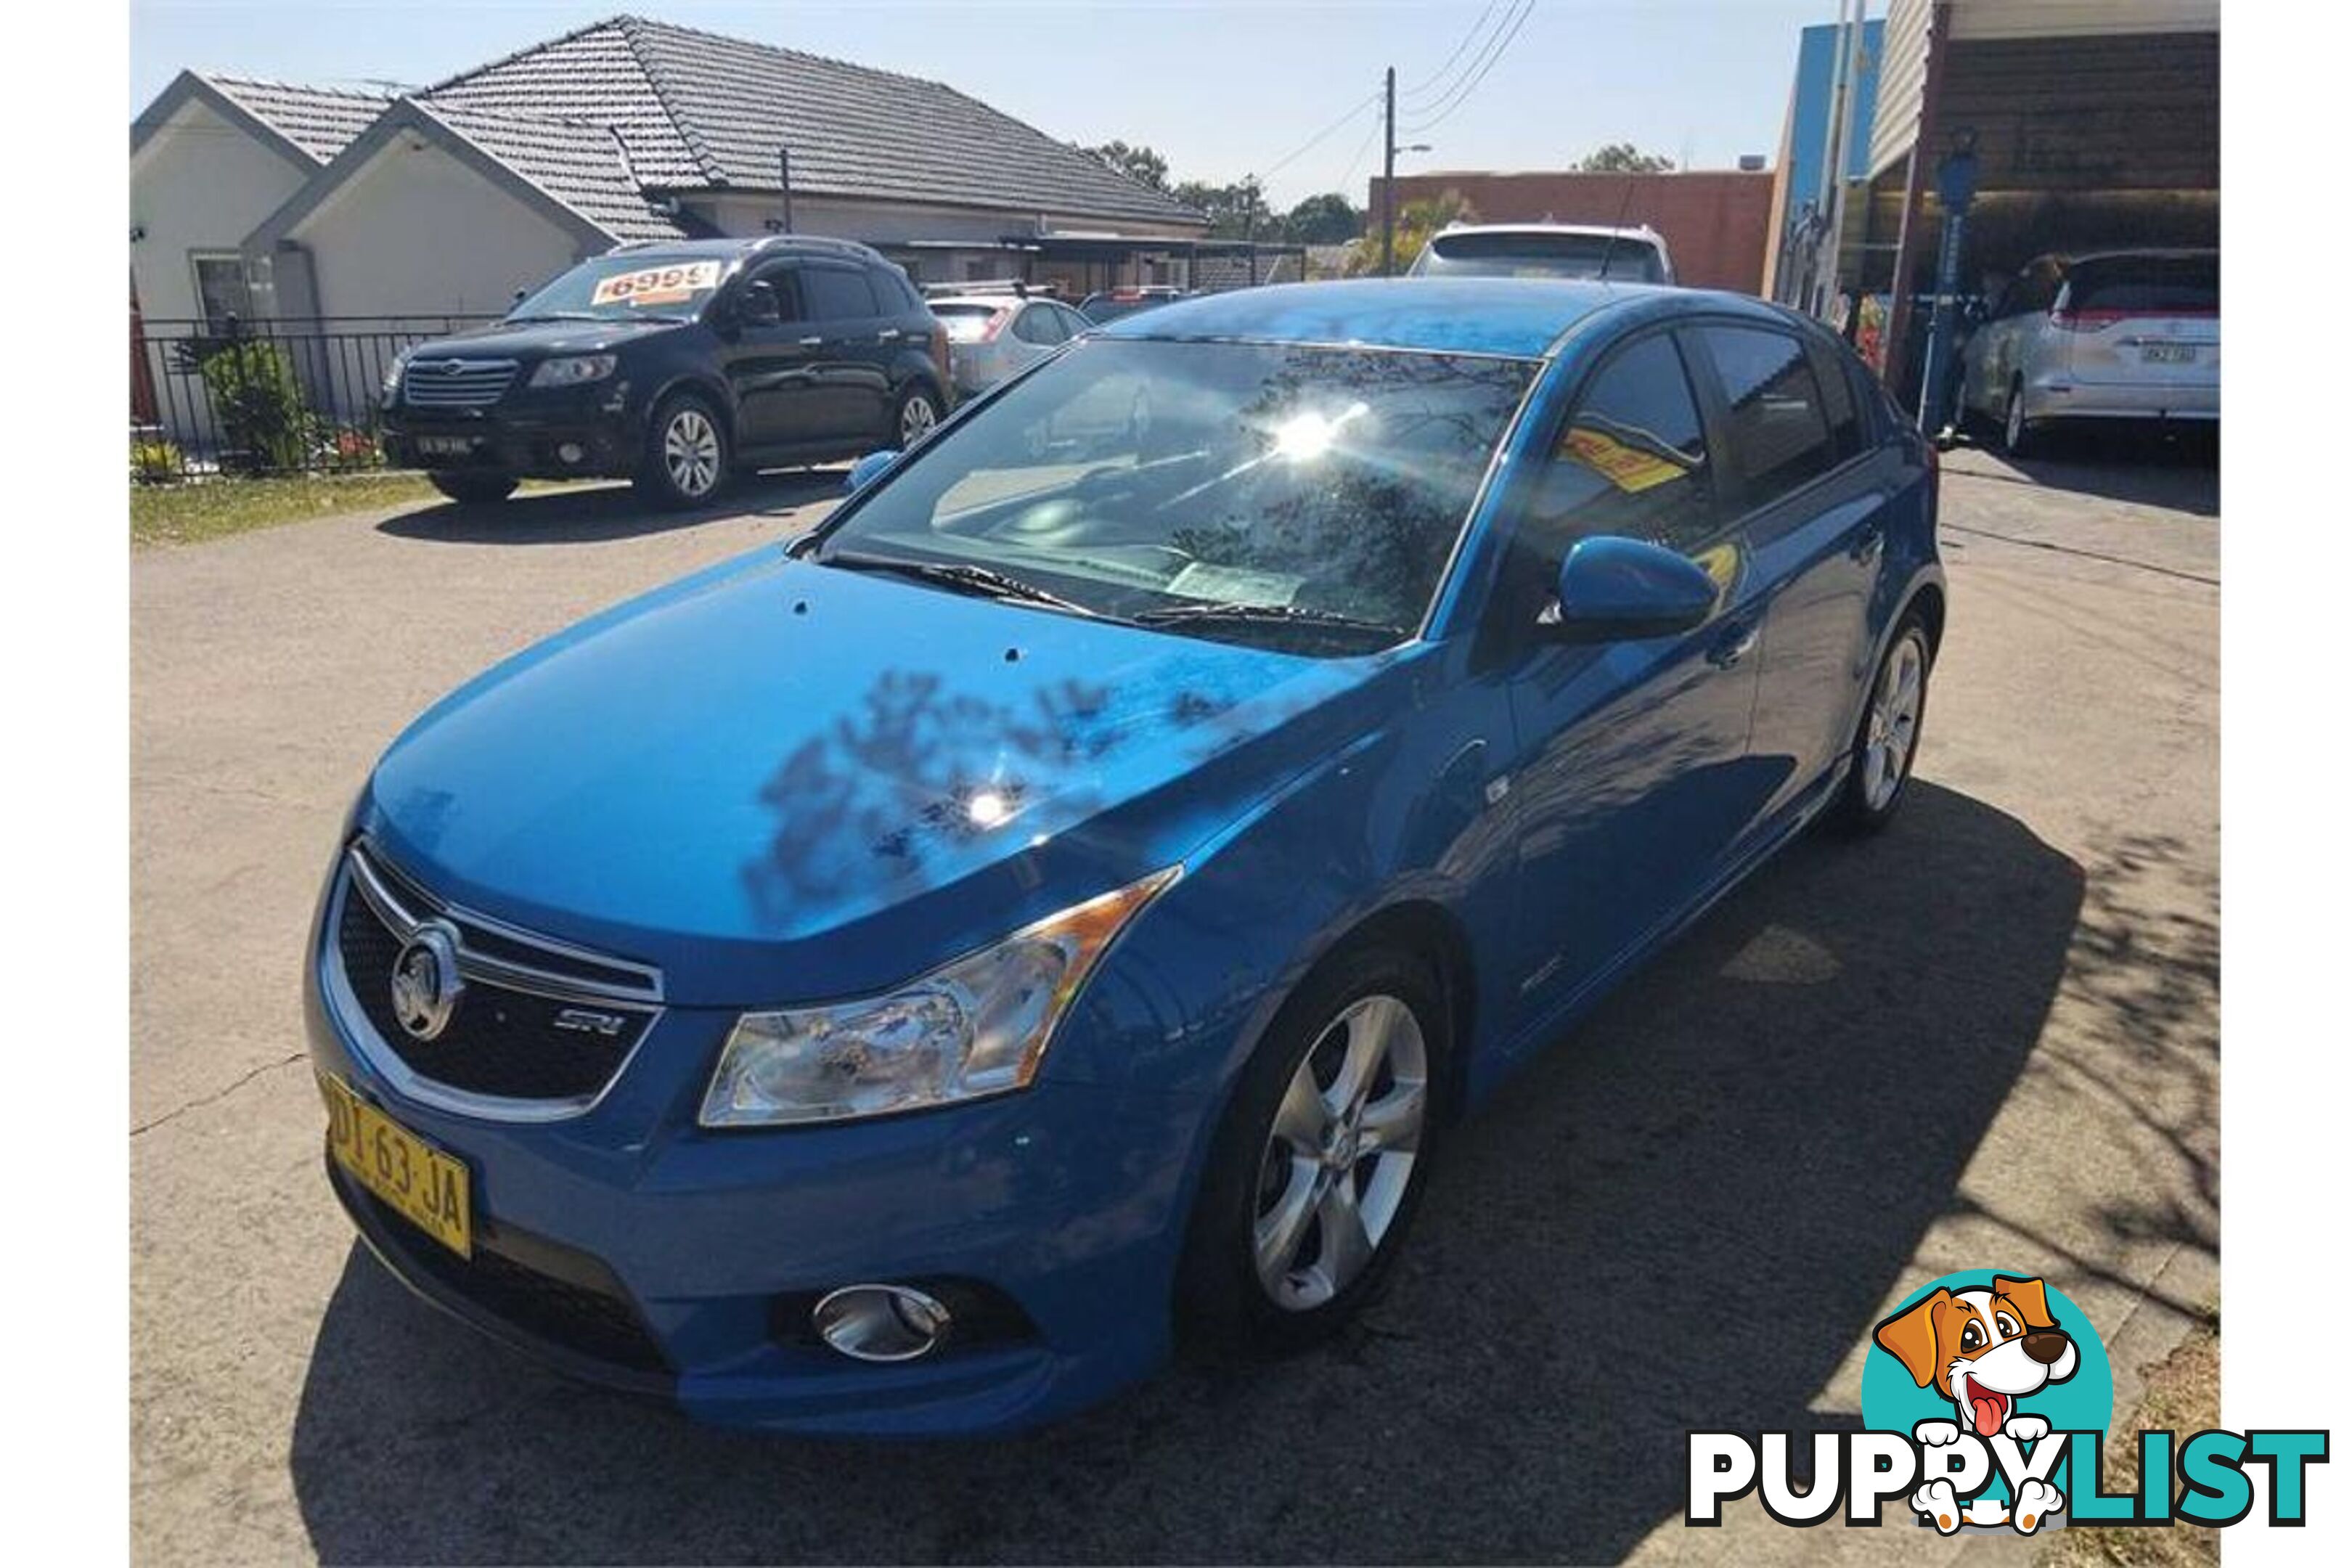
526	434
630	1247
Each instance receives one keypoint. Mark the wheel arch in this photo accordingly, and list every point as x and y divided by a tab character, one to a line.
1421	926
712	389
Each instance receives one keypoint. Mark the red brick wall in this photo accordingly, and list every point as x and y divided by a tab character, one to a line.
1717	222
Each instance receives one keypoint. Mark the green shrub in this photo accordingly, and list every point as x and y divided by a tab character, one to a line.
155	462
267	427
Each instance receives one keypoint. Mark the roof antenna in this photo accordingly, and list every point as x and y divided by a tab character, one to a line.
1617	229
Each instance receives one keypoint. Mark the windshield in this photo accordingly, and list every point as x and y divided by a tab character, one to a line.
1298	496
628	288
1538	255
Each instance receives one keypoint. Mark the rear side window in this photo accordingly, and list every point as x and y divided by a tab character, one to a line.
1778	436
1838	402
1038	324
838	294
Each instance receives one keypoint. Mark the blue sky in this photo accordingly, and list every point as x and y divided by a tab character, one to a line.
1223	87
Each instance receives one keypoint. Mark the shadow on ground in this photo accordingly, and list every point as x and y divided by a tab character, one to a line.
2180	471
604	512
1683	1216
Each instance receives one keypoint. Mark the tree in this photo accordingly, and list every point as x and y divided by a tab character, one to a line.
1237	211
1141	164
1416	221
1327	219
1624	158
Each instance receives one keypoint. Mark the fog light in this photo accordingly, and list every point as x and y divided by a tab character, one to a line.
880	1322
569	452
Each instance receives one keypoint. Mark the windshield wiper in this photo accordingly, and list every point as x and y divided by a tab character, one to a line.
1241	614
962	576
554	316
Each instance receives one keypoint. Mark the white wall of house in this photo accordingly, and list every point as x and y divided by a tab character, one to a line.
415	231
199	185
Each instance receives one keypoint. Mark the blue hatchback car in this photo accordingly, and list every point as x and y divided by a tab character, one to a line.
906	981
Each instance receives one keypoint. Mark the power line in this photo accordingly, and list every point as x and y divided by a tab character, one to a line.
1313	142
1500	44
1361	148
1422	87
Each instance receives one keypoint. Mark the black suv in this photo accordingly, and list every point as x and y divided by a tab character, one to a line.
673	364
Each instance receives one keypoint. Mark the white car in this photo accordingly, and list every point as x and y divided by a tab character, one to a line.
2115	335
992	335
1546	250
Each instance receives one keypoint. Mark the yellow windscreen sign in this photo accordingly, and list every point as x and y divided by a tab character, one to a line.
1630	469
656	285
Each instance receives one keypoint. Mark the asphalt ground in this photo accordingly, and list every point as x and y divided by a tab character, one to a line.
1986	1038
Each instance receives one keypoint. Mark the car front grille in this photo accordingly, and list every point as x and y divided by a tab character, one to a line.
456	382
589	1313
540	1029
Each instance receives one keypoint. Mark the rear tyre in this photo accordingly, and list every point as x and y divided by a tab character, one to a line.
1886	742
686	453
1319	1162
2017	433
917	415
474	487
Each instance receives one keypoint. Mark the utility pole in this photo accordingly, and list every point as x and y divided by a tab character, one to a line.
1387	181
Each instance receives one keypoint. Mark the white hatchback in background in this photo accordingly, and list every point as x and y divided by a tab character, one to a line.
1544	250
2119	334
991	336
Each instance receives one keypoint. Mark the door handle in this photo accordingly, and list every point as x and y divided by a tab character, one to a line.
812	342
1736	644
888	335
1865	549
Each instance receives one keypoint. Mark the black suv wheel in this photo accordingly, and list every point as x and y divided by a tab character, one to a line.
686	453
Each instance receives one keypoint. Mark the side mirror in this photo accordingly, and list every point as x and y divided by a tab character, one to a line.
760	306
869	468
1613	589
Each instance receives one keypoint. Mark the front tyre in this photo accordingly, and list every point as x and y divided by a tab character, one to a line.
686	456
2017	432
474	487
1886	742
1320	1160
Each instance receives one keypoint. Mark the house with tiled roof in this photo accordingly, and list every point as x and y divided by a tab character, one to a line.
287	202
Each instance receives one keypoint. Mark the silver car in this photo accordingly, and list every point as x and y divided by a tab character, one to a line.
2118	334
1546	250
992	335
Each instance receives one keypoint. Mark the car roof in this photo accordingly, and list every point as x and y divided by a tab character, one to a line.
994	302
1519	317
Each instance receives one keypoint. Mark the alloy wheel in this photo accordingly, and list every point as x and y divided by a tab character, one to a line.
690	453
1894	720
1340	1159
2013	424
917	419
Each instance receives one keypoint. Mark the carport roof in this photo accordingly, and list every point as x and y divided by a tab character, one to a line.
698	112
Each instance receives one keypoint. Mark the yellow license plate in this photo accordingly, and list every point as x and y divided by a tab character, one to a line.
428	1187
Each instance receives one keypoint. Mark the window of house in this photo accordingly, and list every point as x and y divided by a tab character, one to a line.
1779	436
221	290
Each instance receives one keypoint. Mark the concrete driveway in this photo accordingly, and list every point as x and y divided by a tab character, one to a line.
1987	1038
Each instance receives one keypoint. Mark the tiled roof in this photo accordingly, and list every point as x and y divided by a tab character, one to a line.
698	110
321	121
581	165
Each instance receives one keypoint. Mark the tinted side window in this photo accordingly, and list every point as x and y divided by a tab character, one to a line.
1779	436
1837	402
836	294
1631	460
1038	324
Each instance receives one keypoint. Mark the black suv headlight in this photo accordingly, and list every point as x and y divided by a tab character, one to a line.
573	370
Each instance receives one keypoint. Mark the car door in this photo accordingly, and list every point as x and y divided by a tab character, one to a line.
1813	520
844	330
1631	779
770	365
2010	335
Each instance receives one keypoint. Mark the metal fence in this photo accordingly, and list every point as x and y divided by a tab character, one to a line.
265	397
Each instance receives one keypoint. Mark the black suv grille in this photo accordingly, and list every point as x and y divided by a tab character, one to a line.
501	1040
589	1314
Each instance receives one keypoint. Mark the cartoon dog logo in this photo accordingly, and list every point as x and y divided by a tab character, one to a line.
1984	1351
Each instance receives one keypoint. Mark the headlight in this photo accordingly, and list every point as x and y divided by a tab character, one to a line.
978	1026
393	375
578	370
